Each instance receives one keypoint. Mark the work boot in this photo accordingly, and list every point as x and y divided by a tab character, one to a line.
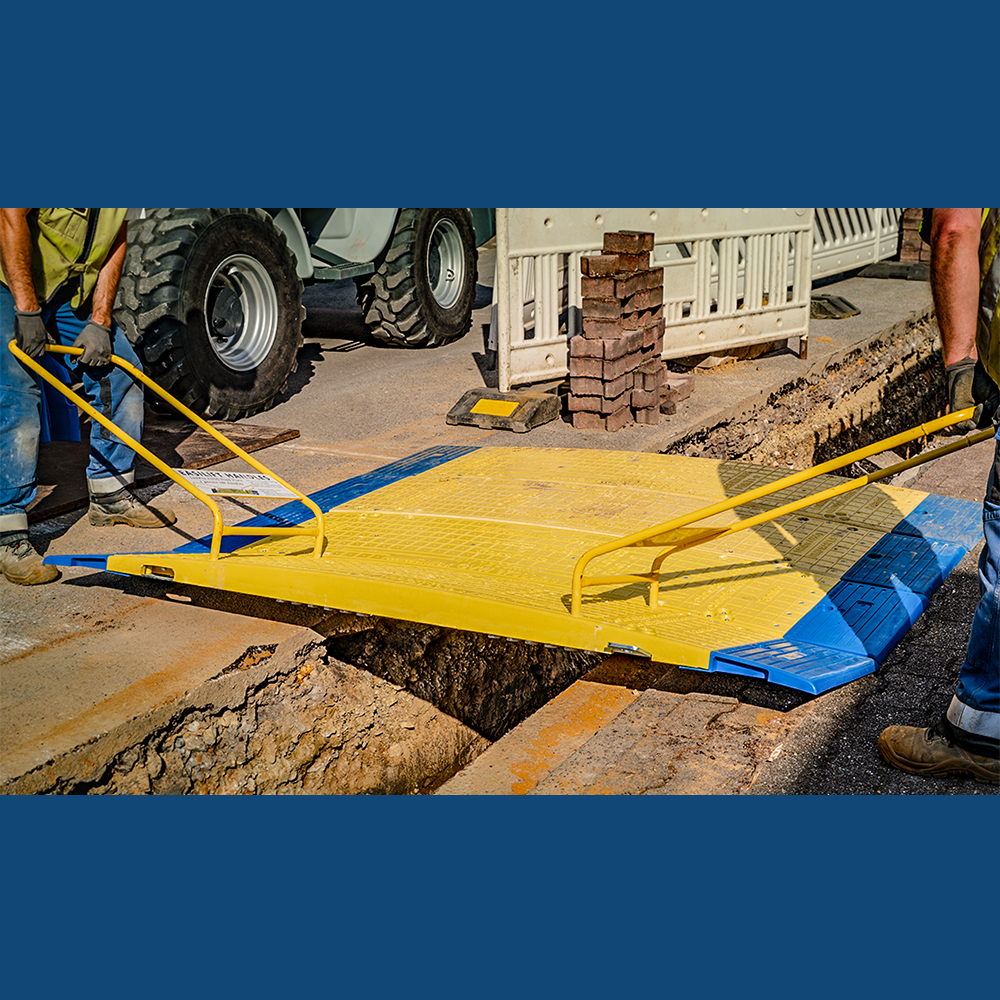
21	563
121	507
930	751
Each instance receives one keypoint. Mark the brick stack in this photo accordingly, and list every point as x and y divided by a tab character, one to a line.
911	247
615	371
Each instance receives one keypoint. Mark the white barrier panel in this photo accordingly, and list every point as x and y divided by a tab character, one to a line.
732	277
847	238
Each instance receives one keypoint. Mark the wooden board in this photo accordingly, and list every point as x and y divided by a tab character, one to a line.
62	481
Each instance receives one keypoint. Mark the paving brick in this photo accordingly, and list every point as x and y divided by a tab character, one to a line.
628	262
630	342
598	288
616	421
627	241
602	328
668	407
649	416
625	288
643	399
578	404
651	316
585	347
586	421
599	265
598	404
601	308
616	387
679	385
581	386
614	367
652	373
586	367
652	335
647	298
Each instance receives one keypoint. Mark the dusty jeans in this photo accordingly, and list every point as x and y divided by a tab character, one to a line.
107	388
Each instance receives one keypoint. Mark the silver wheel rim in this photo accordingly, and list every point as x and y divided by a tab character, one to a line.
445	263
241	310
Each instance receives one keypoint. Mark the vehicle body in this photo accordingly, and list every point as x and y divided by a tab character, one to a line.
212	297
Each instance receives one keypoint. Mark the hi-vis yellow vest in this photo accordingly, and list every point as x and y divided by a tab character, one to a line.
70	245
988	326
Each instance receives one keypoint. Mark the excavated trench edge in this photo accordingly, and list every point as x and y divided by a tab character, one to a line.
359	704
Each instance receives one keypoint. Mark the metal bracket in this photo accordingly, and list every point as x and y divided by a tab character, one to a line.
620	647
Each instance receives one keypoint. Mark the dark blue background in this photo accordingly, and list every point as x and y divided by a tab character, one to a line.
498	105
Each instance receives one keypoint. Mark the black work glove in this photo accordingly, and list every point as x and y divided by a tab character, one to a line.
96	343
970	385
30	332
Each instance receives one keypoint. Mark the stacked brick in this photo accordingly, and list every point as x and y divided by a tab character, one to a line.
911	247
615	371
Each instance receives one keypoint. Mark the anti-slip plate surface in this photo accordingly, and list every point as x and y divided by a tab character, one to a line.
486	540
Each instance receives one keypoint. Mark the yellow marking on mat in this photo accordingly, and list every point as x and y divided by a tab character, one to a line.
488	541
495	407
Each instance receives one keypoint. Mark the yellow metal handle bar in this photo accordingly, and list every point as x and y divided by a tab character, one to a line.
660	535
218	527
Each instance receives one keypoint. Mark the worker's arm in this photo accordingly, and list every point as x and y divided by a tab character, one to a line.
955	287
107	281
955	278
95	338
15	253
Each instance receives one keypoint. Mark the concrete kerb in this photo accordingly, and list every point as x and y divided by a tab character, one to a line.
87	764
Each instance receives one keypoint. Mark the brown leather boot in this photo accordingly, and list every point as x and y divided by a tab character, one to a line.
21	564
929	751
123	508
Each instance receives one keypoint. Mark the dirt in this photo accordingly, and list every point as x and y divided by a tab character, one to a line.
377	707
859	398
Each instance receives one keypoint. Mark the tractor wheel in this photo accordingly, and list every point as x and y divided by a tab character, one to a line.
213	301
422	292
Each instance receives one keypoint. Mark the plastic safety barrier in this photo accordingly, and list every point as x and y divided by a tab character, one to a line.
732	277
847	238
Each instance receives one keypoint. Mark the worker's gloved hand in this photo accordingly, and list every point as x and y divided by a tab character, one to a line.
96	343
30	332
970	385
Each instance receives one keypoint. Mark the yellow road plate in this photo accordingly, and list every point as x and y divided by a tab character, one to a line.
495	407
487	542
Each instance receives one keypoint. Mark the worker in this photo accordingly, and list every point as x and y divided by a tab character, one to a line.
965	281
59	272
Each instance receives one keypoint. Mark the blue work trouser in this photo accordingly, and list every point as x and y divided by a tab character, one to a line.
107	388
975	709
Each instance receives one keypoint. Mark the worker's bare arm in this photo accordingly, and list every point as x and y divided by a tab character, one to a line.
107	282
15	253
955	278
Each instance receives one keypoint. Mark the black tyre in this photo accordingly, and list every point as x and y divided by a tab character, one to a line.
213	301
422	292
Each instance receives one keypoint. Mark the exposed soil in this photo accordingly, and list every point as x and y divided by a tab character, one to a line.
858	399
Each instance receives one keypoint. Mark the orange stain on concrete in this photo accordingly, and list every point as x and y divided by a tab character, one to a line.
577	714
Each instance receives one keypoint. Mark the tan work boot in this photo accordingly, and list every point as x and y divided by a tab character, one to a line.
929	751
21	564
121	507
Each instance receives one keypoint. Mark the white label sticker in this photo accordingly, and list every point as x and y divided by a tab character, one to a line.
235	484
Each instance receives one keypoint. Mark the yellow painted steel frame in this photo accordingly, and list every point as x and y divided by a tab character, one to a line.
672	534
218	527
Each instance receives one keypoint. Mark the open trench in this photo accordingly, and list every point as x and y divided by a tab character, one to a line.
359	704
